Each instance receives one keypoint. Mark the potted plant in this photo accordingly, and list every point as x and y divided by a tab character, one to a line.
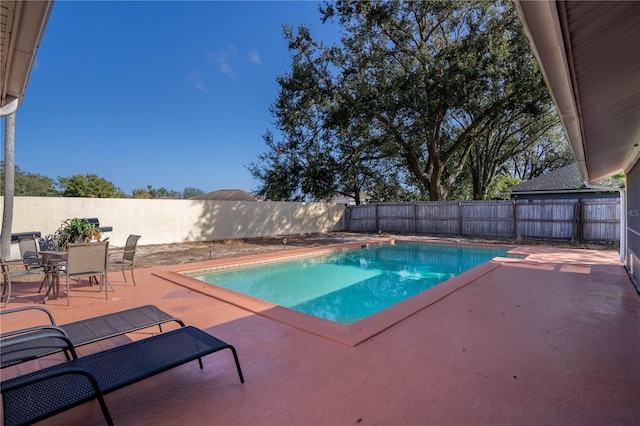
76	231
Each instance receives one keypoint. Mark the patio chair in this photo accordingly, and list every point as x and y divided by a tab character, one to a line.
9	273
127	256
86	260
29	252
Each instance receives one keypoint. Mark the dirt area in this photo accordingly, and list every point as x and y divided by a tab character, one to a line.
179	253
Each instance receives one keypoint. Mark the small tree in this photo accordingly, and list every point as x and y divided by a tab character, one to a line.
141	193
191	192
88	186
163	193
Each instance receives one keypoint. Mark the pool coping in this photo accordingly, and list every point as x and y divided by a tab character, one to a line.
350	335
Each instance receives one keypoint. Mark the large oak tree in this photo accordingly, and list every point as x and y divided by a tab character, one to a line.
402	100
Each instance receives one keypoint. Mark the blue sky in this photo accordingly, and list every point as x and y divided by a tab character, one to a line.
171	94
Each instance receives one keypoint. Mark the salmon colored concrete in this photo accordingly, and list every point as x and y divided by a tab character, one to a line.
550	339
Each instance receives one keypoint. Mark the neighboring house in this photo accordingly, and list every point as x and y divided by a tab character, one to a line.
562	183
226	195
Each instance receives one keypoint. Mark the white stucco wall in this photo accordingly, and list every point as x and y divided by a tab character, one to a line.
172	221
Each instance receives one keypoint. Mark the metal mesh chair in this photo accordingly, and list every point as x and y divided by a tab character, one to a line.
9	273
29	252
127	257
86	260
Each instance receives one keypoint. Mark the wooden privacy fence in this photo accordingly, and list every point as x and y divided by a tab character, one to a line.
573	220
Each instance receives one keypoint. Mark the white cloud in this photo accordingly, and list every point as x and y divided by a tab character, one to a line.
254	57
194	77
223	60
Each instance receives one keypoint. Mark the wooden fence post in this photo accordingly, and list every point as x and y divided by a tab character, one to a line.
578	220
514	220
459	218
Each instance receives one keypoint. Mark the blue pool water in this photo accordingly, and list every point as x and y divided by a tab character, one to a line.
348	286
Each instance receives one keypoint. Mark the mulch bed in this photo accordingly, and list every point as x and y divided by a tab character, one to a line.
180	253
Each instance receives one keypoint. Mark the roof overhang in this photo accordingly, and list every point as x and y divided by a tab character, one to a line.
22	25
589	54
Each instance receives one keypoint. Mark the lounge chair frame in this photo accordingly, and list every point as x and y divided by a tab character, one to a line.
14	348
44	393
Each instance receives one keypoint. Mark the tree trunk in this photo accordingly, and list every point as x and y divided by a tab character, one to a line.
9	184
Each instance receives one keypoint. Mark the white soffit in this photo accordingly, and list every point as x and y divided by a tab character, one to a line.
22	25
589	54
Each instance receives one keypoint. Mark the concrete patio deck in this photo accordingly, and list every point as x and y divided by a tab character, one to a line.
551	339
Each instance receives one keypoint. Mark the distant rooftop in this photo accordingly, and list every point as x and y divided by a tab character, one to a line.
562	179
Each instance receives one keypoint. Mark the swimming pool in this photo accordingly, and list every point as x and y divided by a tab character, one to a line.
351	285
